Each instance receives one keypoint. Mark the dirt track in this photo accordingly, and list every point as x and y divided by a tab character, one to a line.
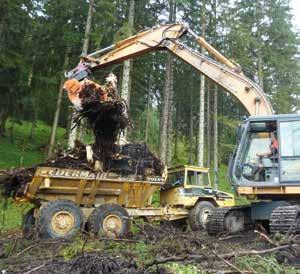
143	252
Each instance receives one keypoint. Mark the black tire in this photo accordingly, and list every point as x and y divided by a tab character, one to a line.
98	222
198	214
66	226
28	222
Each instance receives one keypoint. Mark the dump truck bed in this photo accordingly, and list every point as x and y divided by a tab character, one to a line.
88	188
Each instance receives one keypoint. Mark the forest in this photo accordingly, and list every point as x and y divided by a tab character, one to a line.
182	115
40	40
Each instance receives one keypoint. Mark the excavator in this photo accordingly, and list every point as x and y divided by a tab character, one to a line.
267	175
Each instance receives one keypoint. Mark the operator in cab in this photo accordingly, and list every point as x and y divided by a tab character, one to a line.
271	154
273	147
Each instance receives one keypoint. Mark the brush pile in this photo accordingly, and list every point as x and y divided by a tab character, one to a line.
107	116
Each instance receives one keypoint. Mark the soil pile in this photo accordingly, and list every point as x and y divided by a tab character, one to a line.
13	181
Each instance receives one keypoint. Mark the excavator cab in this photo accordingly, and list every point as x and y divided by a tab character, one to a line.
264	168
268	152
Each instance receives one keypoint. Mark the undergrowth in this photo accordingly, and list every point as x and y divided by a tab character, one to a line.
267	265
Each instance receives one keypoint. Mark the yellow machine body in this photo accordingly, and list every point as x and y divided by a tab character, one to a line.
187	193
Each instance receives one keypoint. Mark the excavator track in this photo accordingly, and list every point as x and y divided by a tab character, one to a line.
226	219
285	219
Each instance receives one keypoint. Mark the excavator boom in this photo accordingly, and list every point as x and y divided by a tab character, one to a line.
224	72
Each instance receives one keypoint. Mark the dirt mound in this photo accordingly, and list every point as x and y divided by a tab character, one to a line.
133	158
100	264
13	181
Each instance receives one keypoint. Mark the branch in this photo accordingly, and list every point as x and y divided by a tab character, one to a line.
34	269
222	256
118	240
265	237
228	263
255	252
229	237
27	248
174	259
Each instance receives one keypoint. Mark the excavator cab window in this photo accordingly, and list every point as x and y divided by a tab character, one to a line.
290	151
259	163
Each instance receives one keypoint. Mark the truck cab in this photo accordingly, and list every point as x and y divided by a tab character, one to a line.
187	184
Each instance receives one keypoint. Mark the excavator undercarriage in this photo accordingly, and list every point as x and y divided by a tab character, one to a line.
283	219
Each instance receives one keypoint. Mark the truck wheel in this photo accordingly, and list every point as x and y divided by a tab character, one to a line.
110	220
28	222
198	215
59	219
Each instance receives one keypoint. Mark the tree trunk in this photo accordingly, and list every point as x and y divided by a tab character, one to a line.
148	112
74	130
165	148
2	13
29	85
208	126
165	109
172	18
35	115
216	152
170	116
126	81
58	105
88	27
176	131
200	150
191	146
3	119
11	131
215	114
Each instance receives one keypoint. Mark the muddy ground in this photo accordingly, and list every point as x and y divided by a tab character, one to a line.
151	248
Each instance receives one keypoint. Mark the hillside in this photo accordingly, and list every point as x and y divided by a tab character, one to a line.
25	152
21	150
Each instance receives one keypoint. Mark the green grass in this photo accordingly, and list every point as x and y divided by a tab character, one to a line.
11	215
258	264
23	151
224	185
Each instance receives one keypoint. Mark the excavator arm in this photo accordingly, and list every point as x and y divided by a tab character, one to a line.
167	37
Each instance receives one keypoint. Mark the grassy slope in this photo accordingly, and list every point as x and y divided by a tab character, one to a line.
26	152
224	184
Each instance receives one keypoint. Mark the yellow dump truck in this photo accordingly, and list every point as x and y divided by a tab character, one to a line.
68	201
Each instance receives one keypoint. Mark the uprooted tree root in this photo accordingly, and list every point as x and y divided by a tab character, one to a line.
133	158
107	120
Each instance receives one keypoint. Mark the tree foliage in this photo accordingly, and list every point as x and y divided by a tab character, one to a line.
35	35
